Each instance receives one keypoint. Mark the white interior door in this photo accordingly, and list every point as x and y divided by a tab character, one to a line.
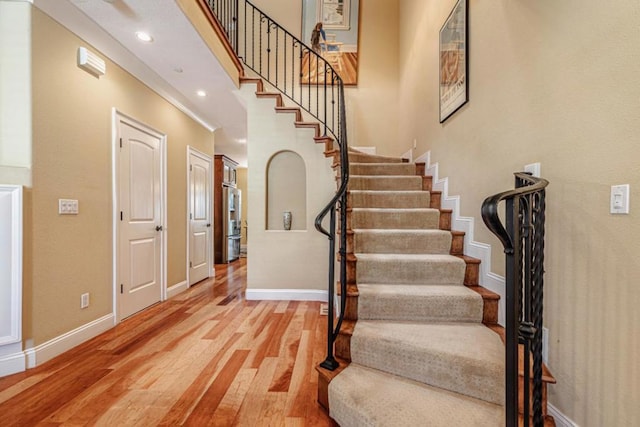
200	233
140	222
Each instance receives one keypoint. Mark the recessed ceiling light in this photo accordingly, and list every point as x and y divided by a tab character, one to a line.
201	93
178	70
242	140
145	37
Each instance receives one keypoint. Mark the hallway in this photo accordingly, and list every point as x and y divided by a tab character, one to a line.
205	357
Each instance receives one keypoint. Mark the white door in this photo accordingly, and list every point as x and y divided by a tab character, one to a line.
140	230
200	234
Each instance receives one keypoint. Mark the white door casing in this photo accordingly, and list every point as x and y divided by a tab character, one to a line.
199	214
139	199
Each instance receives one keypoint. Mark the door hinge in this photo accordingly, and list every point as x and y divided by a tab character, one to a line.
121	216
190	264
191	168
120	142
121	288
190	216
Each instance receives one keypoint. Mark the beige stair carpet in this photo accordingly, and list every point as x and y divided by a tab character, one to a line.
420	354
392	241
366	397
388	199
394	218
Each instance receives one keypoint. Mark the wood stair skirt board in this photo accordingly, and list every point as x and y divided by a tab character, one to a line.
412	294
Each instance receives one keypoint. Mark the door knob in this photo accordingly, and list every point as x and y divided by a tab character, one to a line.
158	228
208	225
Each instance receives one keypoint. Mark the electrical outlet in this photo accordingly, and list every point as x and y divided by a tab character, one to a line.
67	207
84	300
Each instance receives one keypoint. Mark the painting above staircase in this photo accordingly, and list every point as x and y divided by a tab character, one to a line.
339	47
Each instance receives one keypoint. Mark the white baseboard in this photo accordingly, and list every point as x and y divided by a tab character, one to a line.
176	289
13	361
561	419
286	294
482	251
52	348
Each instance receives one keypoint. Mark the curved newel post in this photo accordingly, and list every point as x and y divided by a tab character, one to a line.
523	239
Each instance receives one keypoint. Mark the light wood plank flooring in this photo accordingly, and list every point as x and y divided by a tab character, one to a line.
207	357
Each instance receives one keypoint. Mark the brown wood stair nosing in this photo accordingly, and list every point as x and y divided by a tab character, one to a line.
472	270
445	219
255	80
421	168
294	110
274	95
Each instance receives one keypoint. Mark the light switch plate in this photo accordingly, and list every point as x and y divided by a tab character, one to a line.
619	199
67	207
533	168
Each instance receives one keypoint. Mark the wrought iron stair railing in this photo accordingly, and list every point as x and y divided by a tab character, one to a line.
307	79
523	239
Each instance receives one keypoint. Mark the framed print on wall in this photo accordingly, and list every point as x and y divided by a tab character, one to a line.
454	64
334	14
339	47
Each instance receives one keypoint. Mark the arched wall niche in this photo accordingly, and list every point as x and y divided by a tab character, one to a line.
286	190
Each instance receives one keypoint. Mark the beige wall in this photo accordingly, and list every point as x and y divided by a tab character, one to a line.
72	118
372	106
287	13
278	259
556	83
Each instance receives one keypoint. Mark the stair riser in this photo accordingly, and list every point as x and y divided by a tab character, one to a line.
382	169
372	219
419	309
394	200
410	272
468	376
387	183
366	158
398	243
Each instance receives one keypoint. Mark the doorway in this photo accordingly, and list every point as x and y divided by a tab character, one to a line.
199	216
139	205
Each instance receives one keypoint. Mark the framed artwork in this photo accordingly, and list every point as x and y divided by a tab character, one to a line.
454	64
334	14
338	47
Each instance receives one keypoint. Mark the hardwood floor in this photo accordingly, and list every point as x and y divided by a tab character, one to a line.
207	357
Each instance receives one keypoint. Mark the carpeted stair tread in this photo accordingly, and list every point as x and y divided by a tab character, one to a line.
381	218
366	397
402	241
385	183
382	169
466	358
358	157
410	269
419	303
389	199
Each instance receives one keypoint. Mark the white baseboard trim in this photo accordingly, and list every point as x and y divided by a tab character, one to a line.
286	295
561	419
55	347
176	289
13	363
482	251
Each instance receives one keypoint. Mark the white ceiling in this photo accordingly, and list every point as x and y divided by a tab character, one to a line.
176	64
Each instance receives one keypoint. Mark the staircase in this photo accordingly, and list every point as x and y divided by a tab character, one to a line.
417	342
416	332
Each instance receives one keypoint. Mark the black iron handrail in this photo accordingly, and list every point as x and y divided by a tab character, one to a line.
306	78
523	241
